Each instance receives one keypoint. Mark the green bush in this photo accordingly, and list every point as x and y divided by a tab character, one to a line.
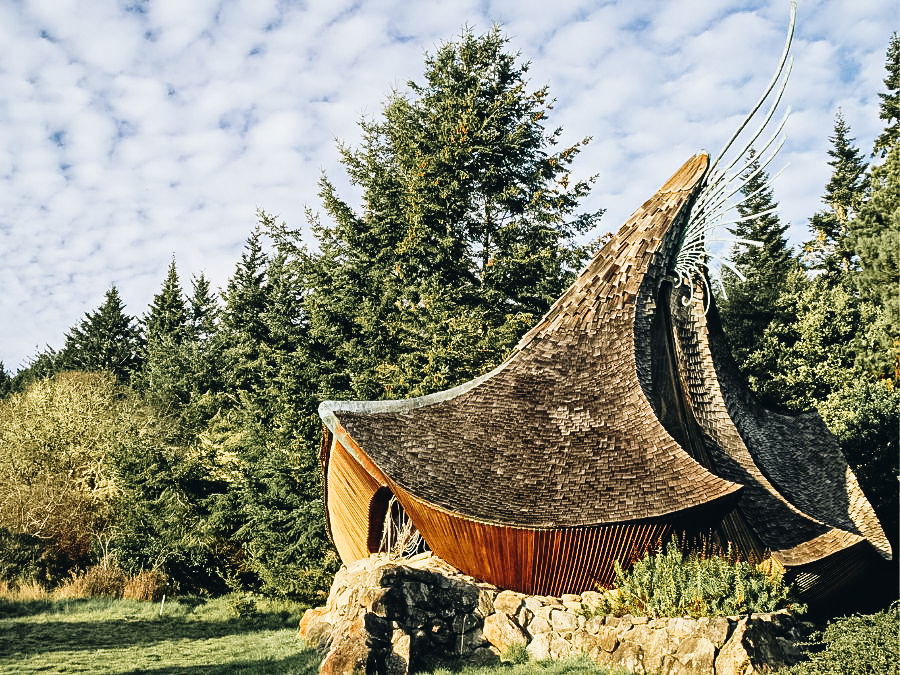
673	584
855	645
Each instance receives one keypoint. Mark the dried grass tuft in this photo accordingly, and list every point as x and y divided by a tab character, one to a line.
102	580
23	592
148	585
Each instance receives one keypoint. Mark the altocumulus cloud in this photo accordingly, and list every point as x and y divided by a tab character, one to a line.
132	131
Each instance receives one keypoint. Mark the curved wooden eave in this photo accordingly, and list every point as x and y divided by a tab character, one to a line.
591	324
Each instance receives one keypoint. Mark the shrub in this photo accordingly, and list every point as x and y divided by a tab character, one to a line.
854	645
242	605
100	580
147	585
671	583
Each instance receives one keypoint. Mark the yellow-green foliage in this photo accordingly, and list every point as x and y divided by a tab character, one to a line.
57	478
672	583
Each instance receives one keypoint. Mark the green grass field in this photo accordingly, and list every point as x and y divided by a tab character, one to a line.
101	635
193	635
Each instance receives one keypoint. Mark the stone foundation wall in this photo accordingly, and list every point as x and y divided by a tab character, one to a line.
384	617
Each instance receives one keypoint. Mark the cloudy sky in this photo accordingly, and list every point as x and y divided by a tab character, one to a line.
135	130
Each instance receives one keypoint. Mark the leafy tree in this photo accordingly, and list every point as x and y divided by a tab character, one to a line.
830	250
107	339
466	231
749	306
890	101
57	481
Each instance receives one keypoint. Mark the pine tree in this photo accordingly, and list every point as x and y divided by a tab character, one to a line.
203	310
830	251
465	235
749	306
6	382
167	318
107	339
243	329
167	374
876	240
890	101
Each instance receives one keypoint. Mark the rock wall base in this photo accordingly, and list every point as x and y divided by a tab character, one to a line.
391	617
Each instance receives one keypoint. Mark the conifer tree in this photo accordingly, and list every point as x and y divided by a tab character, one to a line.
242	329
107	339
830	251
749	306
203	310
890	100
466	231
167	374
167	318
876	240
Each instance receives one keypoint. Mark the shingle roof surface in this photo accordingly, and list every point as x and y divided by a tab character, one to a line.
562	433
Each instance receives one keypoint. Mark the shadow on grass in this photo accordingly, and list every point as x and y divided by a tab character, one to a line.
306	662
52	636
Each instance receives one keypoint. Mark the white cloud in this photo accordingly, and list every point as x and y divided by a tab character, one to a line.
130	132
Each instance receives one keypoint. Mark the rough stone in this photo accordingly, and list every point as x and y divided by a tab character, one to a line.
592	598
318	636
425	609
502	632
694	655
585	643
539	648
398	661
538	626
629	656
388	603
533	603
508	602
608	638
560	648
485	602
465	622
563	622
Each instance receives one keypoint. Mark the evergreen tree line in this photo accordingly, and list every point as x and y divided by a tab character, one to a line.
822	330
187	439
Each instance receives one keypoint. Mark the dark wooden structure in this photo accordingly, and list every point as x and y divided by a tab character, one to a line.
618	420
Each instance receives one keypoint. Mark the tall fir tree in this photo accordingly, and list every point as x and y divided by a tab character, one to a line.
167	375
242	328
167	318
890	100
876	240
107	339
831	251
203	310
466	231
749	306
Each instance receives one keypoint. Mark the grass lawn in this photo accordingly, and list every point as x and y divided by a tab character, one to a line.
101	635
193	635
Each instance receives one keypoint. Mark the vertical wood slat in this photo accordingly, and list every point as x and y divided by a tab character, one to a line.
542	562
350	489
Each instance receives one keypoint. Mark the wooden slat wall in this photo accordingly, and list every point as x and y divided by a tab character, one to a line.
541	562
350	492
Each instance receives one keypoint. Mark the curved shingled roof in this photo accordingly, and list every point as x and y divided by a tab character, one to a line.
562	434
